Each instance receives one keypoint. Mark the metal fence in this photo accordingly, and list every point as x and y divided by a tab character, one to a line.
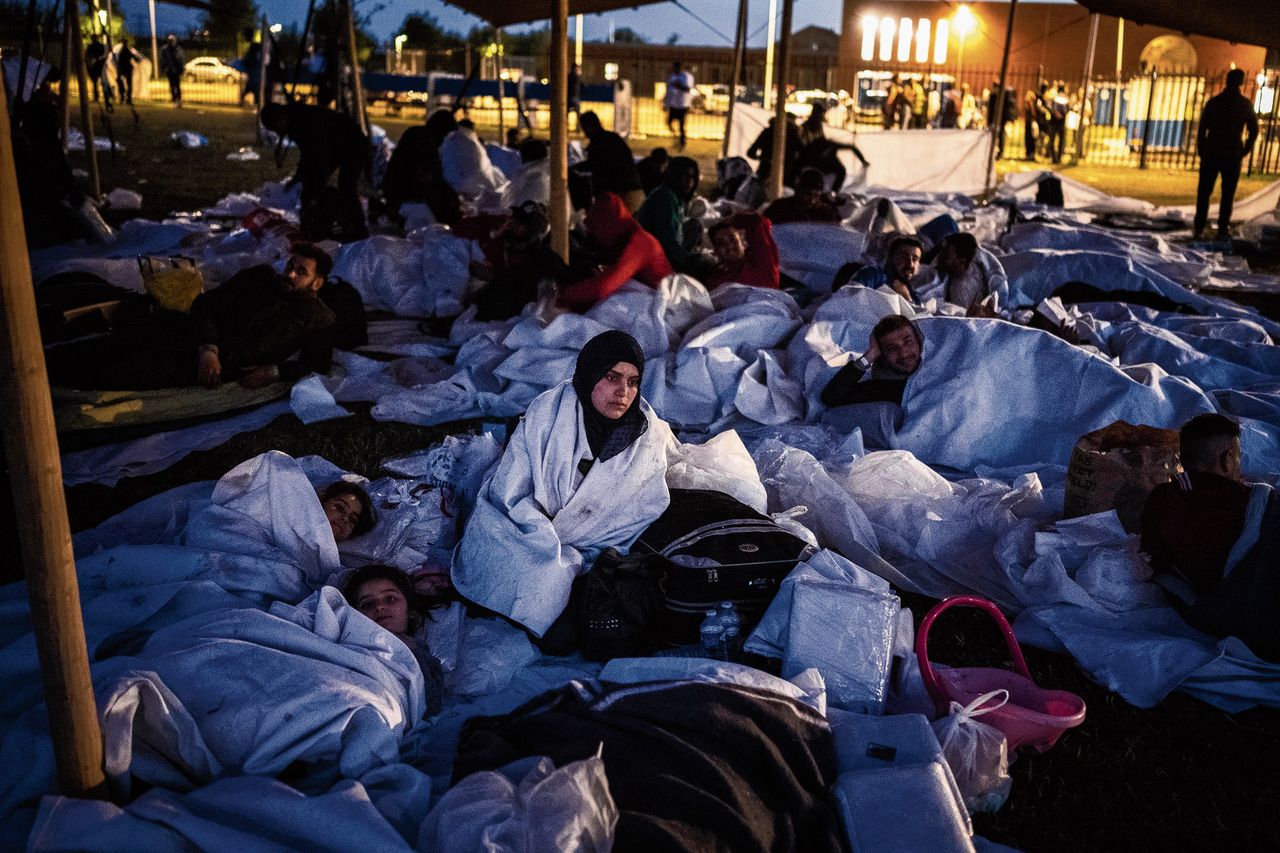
1144	120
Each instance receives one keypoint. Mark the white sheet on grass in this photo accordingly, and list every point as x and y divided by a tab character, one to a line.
934	160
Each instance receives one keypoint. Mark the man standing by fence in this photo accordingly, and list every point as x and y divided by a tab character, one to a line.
173	62
678	100
1222	149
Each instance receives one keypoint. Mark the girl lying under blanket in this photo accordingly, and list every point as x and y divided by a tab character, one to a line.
584	471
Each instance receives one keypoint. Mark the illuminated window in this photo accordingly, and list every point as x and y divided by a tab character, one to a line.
886	39
922	40
904	40
940	42
611	71
869	25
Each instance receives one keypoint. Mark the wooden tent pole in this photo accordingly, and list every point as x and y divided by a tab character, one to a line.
86	115
67	64
357	85
997	128
502	90
559	213
35	468
780	106
1089	53
739	49
264	62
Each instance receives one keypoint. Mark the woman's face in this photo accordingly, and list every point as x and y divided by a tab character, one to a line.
615	393
384	603
343	512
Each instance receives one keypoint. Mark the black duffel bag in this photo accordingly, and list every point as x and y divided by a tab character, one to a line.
711	548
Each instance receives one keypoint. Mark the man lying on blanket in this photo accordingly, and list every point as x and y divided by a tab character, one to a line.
246	329
1214	541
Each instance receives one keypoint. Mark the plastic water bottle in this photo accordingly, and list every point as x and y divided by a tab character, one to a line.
729	620
731	643
712	635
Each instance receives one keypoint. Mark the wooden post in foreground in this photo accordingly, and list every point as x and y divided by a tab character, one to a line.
264	62
739	54
357	85
997	128
67	64
31	446
86	114
559	212
780	107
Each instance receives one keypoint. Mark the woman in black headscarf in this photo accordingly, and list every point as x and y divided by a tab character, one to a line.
584	471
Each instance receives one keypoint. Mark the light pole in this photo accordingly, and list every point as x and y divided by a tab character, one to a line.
964	23
399	41
155	53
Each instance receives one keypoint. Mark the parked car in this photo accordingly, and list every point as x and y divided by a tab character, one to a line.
211	69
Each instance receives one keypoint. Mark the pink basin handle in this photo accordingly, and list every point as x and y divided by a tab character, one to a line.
922	640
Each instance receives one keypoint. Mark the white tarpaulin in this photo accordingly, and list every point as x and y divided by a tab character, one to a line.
933	160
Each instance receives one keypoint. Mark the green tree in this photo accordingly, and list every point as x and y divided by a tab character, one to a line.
227	19
626	35
425	33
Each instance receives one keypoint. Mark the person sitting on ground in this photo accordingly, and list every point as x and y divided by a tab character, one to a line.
745	252
386	595
349	509
899	269
519	262
1192	530
810	203
818	152
634	252
664	214
893	354
584	471
466	166
966	275
610	163
328	142
652	169
533	180
415	174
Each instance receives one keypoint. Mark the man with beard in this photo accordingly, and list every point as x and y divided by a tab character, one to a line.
893	354
901	266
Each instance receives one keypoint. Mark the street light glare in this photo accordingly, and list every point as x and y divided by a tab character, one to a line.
965	22
275	28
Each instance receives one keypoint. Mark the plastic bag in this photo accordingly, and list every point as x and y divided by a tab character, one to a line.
787	521
244	154
528	805
189	139
721	464
977	753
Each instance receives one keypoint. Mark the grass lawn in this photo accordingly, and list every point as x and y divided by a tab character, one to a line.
1160	186
1179	776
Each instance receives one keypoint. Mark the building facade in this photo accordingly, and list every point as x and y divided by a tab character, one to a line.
1051	39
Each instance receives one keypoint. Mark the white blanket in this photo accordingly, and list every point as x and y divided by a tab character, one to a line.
539	523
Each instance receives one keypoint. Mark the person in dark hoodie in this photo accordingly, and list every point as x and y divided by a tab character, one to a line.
634	253
414	173
519	261
664	214
328	142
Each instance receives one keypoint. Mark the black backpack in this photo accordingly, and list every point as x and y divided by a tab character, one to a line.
713	548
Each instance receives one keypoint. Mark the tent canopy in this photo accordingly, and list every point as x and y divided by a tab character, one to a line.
1246	21
501	13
